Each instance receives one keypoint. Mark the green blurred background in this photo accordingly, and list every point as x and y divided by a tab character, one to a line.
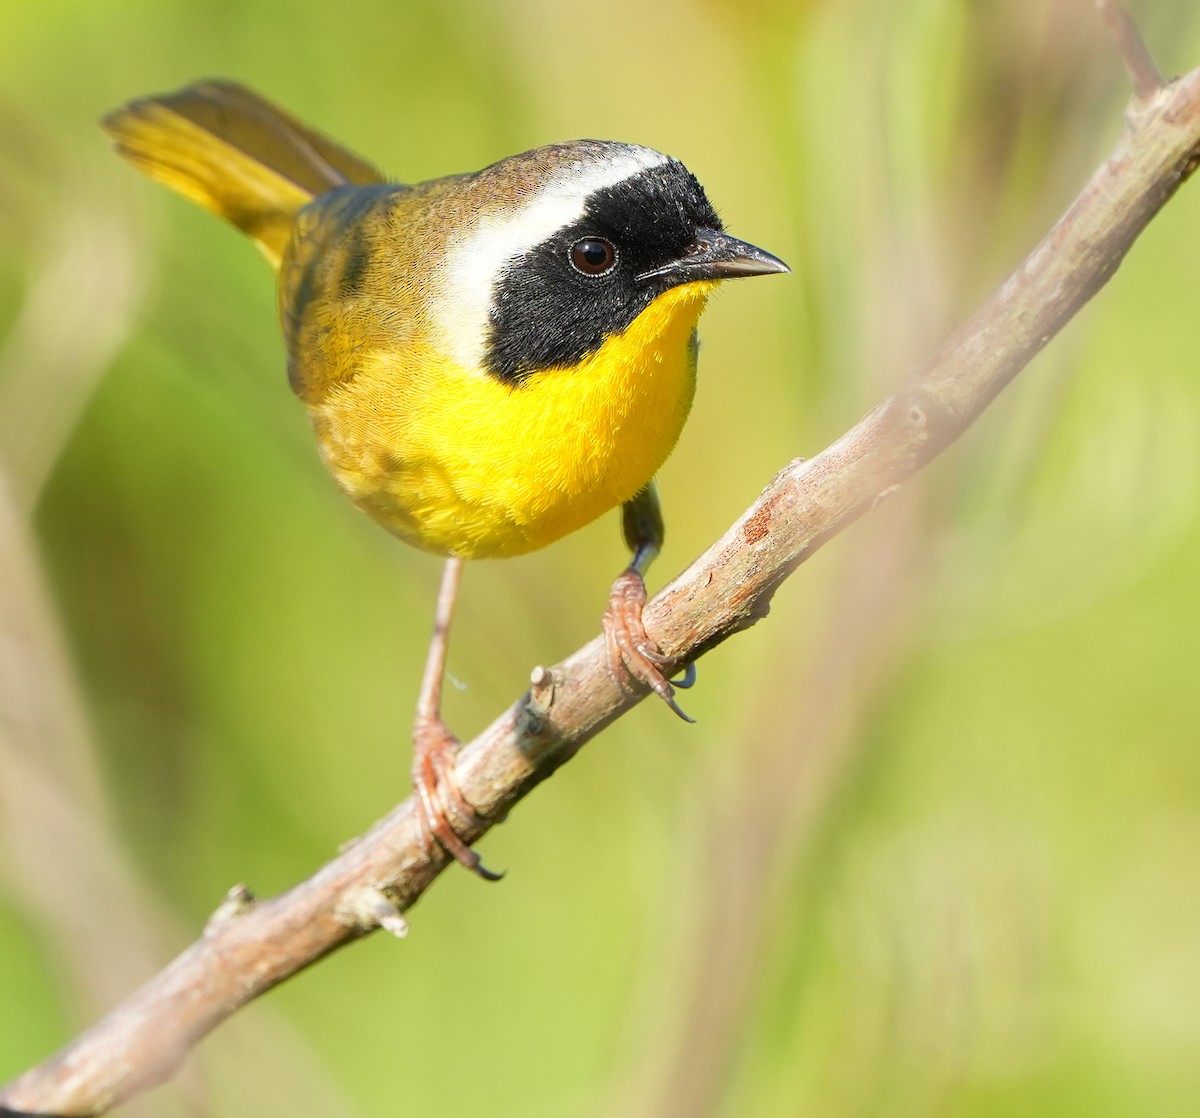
933	847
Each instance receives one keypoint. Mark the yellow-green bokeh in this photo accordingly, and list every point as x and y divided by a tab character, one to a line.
931	847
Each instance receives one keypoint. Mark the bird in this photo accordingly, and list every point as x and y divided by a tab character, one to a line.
489	360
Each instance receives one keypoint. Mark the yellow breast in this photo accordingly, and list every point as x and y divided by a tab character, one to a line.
457	462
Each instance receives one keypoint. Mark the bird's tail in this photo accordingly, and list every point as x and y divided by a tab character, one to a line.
234	153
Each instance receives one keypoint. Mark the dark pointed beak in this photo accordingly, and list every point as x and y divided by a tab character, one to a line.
717	256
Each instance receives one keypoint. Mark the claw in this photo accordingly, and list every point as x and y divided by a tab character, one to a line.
670	701
631	653
687	680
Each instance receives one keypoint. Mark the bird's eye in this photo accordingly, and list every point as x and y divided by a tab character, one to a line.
593	256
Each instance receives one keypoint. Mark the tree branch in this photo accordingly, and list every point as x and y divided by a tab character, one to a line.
249	947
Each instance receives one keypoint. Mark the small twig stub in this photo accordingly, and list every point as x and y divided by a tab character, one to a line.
1143	73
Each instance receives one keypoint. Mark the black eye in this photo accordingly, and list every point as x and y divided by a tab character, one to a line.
593	256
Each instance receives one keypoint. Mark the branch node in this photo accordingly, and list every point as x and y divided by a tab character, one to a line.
537	704
370	907
1143	73
237	901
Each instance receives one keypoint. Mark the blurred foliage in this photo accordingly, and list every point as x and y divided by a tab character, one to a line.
931	848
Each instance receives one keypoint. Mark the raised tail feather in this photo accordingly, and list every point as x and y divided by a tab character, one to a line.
234	153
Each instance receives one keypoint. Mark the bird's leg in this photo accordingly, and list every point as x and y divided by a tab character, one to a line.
435	747
630	650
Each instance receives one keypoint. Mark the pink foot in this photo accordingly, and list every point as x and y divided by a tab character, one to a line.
439	796
631	653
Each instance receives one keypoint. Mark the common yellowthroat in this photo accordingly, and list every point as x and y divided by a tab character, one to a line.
489	360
